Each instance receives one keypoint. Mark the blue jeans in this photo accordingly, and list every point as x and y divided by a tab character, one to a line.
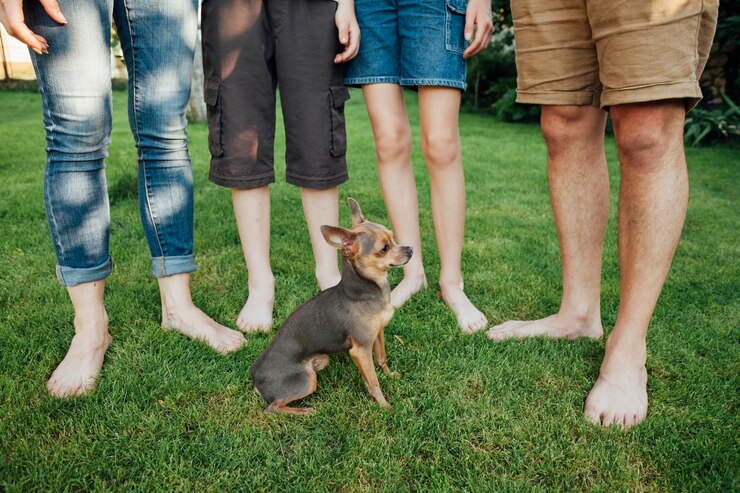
158	41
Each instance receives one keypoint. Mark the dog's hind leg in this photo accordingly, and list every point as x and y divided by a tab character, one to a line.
295	386
380	357
279	407
320	362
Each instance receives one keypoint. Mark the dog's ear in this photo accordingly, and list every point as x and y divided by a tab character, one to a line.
343	239
357	217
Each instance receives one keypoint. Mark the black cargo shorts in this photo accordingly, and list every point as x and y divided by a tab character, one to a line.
252	47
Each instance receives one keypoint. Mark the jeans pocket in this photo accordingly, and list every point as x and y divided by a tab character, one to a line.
455	25
339	95
213	106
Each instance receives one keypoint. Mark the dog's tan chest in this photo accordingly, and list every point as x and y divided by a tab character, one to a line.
386	315
380	320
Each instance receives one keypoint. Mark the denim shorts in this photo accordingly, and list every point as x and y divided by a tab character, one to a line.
410	42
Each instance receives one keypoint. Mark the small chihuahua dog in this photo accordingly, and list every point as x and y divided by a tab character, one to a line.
349	317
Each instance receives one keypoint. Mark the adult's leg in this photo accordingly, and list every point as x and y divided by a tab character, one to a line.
392	133
579	192
79	369
321	206
439	109
158	41
75	85
652	207
252	212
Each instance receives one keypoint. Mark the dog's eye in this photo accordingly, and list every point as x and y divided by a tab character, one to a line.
385	248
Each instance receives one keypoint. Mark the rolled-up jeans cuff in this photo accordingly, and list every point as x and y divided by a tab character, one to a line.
169	266
73	276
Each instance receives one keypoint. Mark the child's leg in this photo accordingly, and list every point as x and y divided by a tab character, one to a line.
252	212
239	70
439	109
312	97
322	207
387	111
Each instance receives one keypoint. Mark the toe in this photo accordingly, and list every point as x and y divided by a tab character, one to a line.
509	324
497	334
610	419
593	415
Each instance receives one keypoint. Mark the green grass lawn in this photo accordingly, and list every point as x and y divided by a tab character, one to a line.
469	414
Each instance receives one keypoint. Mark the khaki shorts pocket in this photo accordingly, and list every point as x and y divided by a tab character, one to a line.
338	95
213	106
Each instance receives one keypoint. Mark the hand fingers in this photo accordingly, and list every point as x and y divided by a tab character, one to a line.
477	45
469	24
354	45
482	37
344	34
21	32
52	8
351	48
41	39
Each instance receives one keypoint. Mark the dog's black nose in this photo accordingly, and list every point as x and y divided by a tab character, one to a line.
408	251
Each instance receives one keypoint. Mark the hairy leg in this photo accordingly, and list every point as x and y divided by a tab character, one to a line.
652	207
252	212
322	207
80	368
579	192
390	123
439	109
180	313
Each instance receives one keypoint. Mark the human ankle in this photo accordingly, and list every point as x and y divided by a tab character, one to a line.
453	284
261	282
624	350
584	315
91	320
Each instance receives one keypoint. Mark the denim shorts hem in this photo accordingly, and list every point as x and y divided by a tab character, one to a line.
457	84
243	183
317	183
361	81
169	266
73	276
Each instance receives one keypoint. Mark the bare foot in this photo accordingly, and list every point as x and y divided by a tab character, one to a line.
257	312
409	286
79	369
469	318
619	396
192	322
555	326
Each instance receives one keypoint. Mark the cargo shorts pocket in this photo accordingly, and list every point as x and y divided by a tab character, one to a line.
338	95
455	25
213	107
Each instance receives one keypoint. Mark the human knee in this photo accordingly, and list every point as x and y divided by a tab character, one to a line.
393	143
565	126
81	140
440	148
644	132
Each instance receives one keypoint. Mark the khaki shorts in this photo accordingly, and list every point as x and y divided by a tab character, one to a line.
608	52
